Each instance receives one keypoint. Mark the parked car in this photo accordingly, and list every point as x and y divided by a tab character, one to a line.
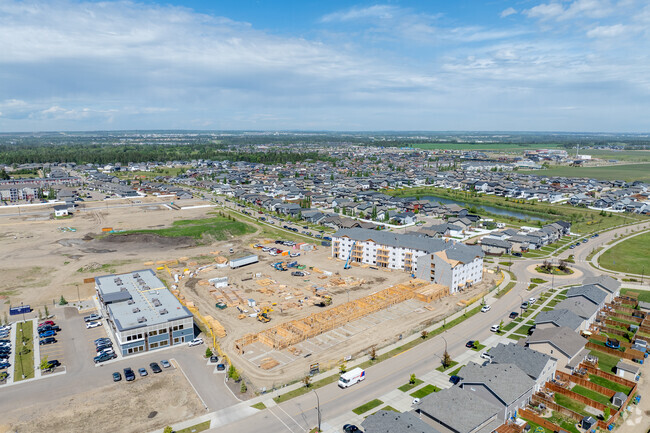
117	376
195	342
92	317
487	356
221	367
214	359
129	375
516	254
103	347
494	328
298	274
454	379
4	365
102	340
165	363
513	315
90	325
53	363
104	357
54	328
532	300
525	305
48	340
155	367
45	334
47	322
351	428
470	344
485	309
142	371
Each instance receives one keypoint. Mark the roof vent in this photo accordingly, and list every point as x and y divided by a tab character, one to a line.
142	319
156	302
136	310
164	311
130	302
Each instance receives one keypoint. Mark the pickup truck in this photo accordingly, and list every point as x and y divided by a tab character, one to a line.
92	317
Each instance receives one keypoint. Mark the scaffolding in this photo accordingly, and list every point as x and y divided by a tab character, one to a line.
287	334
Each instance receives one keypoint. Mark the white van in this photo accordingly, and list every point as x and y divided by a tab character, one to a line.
351	377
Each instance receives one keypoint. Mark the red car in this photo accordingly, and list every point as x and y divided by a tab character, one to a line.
47	322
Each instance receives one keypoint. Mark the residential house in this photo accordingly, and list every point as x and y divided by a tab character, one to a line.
607	283
495	246
560	343
559	317
385	421
503	385
538	366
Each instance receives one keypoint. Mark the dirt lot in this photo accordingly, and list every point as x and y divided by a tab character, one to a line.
167	395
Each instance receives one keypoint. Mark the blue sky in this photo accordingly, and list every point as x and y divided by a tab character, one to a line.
535	65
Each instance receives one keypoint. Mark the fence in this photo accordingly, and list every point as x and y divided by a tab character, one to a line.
585	383
533	417
604	339
628	354
575	396
611	377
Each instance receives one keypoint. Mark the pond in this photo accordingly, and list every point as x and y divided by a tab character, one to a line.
491	209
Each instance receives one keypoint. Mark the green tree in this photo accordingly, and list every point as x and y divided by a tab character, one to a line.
208	352
446	359
62	301
343	368
45	364
243	388
4	175
307	381
47	312
168	429
606	413
412	379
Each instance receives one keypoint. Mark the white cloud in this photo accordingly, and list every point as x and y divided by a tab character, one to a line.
545	11
607	31
576	9
507	12
382	12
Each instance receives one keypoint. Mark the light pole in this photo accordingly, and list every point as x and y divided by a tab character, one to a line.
521	305
318	408
23	310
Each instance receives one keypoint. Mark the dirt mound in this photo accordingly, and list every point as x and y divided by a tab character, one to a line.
148	239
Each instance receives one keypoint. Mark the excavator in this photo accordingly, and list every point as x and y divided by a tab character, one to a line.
263	315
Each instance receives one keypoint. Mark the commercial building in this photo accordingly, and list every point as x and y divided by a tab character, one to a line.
442	261
142	313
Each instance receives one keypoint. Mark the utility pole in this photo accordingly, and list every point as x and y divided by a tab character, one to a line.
318	408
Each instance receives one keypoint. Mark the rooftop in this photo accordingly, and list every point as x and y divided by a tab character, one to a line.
560	317
507	381
385	421
528	360
138	299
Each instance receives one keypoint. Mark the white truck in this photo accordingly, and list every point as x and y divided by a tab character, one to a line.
351	377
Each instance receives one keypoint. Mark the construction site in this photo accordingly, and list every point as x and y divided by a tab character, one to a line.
273	323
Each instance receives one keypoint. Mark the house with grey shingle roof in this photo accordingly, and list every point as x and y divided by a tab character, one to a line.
561	343
558	317
454	410
503	385
385	421
538	366
607	283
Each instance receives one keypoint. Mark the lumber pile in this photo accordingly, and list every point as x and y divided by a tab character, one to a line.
216	326
269	363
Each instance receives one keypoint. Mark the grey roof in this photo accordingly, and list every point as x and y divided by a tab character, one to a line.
528	360
622	365
455	251
494	242
385	421
579	306
644	305
594	293
604	281
564	339
444	406
560	317
507	381
149	299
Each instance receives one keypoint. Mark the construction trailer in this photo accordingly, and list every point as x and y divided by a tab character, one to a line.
243	261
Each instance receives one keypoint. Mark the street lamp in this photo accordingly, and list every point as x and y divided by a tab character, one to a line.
318	408
521	306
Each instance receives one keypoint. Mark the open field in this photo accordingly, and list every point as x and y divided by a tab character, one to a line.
148	175
169	397
627	172
631	255
644	295
486	146
217	228
619	155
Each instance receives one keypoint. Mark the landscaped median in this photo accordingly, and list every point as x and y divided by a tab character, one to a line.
368	406
24	360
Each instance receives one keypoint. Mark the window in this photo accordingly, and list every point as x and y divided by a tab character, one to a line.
139	336
153	345
153	333
128	338
176	340
130	350
164	343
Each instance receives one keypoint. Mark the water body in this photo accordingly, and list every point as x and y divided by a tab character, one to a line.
491	209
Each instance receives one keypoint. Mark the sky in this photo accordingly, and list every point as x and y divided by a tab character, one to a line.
492	65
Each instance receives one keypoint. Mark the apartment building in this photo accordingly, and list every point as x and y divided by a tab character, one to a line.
442	261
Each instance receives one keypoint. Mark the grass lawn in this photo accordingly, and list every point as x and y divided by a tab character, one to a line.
443	368
533	426
537	280
516	337
644	295
366	407
524	329
479	347
627	172
195	428
390	408
218	228
260	406
410	386
509	326
506	289
617	387
455	372
423	392
570	403
606	362
566	423
24	363
596	396
631	255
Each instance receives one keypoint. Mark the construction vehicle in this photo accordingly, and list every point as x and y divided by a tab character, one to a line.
263	315
347	262
325	300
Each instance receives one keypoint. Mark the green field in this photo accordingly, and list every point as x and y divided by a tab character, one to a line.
631	255
148	175
644	295
606	362
485	146
24	361
620	155
424	391
627	172
217	228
